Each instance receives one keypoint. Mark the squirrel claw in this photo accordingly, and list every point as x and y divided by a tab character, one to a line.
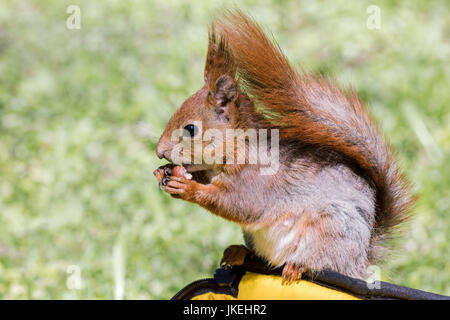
291	273
165	180
168	170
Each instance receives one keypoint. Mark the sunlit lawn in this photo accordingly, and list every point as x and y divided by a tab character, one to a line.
81	112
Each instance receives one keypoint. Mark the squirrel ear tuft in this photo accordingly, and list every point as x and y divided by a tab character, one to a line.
225	90
219	60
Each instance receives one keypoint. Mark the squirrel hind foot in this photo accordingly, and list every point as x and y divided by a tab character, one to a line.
292	272
234	255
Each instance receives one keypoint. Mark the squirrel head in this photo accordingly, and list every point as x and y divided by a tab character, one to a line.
215	106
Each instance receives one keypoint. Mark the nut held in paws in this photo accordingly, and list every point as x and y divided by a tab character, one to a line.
179	171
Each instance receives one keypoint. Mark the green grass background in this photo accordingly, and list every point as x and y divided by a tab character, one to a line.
81	112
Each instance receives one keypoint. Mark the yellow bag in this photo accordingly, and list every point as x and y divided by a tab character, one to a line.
254	281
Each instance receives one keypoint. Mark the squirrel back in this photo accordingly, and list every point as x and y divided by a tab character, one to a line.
309	109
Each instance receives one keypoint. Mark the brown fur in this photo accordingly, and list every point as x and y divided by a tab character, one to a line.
325	133
268	78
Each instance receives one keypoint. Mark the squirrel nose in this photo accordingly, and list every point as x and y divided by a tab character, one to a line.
164	148
161	152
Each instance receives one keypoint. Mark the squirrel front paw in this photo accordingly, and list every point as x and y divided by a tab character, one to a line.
175	181
179	183
163	174
181	187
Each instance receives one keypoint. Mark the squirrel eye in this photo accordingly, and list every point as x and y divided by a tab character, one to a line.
191	129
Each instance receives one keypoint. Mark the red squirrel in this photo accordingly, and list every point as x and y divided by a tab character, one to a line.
337	195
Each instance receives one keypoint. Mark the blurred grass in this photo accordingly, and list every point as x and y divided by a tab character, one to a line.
81	111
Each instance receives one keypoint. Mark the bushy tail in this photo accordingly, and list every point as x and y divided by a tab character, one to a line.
313	109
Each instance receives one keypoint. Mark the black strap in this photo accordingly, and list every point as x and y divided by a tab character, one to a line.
356	287
226	281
